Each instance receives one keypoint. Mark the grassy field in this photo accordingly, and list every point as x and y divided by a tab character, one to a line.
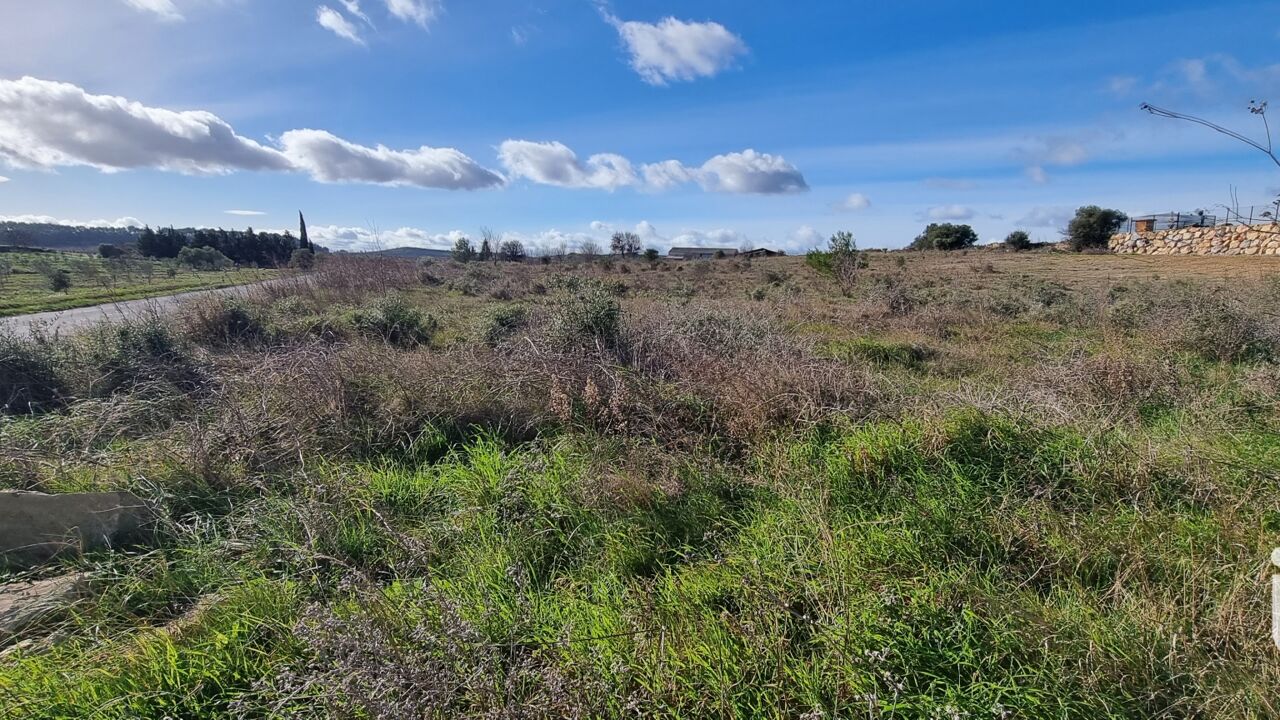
984	485
93	281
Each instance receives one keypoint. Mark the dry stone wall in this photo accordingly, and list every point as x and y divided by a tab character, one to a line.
1216	240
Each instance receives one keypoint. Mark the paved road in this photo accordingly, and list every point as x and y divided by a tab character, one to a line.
67	321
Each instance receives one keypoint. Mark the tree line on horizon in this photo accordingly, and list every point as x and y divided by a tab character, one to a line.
242	247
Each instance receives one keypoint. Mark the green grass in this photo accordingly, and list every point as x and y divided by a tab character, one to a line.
94	281
1037	515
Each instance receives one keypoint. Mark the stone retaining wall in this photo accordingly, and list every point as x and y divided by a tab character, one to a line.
1216	240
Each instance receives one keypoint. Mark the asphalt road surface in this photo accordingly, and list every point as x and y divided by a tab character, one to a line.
63	322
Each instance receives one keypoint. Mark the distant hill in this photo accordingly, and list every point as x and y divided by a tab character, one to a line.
412	253
64	237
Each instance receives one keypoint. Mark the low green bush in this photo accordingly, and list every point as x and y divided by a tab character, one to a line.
395	321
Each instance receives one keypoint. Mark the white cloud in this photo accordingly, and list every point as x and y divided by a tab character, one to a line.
422	12
1047	217
47	124
356	239
675	50
718	238
942	183
806	237
164	9
1037	174
329	158
1122	85
552	163
124	222
353	7
855	202
339	25
3	179
668	174
951	212
752	172
244	213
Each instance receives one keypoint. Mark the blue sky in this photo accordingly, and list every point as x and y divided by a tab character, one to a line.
708	122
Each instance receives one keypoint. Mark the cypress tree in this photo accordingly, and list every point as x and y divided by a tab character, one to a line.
303	241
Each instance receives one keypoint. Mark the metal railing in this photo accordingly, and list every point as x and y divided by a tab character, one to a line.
1252	215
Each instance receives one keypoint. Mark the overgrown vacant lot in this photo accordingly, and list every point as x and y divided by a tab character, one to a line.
986	485
25	285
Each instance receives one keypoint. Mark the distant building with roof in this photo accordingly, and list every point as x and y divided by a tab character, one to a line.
699	253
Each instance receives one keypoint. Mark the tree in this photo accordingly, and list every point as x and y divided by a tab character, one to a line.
511	251
164	244
945	236
1092	227
589	248
463	250
489	243
304	242
203	258
107	250
6	269
626	244
845	261
651	254
1017	240
59	280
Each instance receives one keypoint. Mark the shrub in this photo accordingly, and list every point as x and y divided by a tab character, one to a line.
302	259
107	251
1017	240
590	314
224	321
203	258
1092	227
29	380
59	280
651	254
945	236
502	321
394	321
136	353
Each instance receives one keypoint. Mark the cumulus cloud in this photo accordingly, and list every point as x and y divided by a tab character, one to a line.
552	163
164	9
356	239
1047	217
421	12
752	172
854	203
338	24
668	174
244	213
46	124
675	50
124	222
329	158
951	212
806	237
3	179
